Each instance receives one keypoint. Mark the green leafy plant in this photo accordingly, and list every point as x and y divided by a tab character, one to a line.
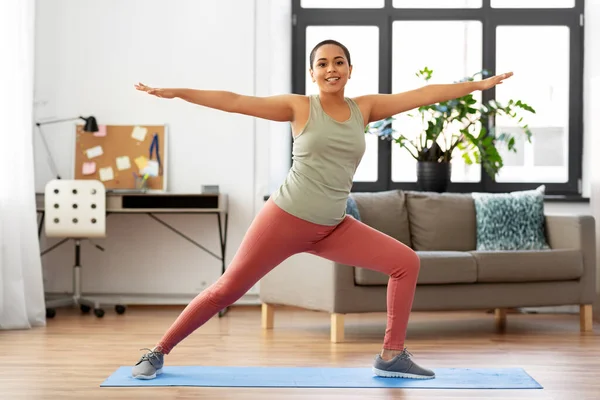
461	124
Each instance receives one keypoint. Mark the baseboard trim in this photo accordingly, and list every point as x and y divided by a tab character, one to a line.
571	309
151	299
253	299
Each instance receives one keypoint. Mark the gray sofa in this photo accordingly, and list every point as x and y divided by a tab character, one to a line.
441	228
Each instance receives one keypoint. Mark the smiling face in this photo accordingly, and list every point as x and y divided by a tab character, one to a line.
330	68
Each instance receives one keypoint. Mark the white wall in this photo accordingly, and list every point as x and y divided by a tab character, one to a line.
89	54
274	76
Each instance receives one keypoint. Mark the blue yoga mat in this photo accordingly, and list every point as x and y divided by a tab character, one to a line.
301	377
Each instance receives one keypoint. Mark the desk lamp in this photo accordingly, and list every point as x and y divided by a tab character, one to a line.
90	126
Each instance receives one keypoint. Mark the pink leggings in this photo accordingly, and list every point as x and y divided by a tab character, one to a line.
275	235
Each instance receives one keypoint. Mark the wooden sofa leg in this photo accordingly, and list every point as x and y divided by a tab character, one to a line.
585	318
337	328
500	317
267	316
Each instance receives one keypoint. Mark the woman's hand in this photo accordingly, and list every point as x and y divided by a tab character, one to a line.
163	93
493	81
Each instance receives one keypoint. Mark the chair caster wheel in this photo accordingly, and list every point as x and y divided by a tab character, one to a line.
50	312
120	309
84	308
99	312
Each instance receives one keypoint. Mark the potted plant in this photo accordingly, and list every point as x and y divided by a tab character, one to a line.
455	124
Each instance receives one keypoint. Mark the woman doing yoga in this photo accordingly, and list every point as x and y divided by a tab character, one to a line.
307	212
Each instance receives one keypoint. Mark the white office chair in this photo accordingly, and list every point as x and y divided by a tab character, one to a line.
75	210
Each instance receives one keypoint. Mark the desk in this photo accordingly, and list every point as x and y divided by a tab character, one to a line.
152	203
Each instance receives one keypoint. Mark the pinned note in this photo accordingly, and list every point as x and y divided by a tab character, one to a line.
151	169
88	168
139	133
141	162
101	131
106	174
94	152
123	163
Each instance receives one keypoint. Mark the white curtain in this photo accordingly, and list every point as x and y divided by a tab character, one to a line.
22	304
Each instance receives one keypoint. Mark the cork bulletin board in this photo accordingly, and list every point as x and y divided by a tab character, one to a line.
123	157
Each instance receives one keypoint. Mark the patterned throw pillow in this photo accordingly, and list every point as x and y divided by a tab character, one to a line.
511	221
352	208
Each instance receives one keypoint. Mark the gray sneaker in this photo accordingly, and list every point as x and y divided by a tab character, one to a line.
149	365
400	366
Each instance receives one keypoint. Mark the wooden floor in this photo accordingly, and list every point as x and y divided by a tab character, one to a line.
74	354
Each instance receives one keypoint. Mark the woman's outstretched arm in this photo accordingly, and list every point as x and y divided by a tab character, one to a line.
387	105
275	108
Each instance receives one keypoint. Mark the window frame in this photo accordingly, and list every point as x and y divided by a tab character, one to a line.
490	18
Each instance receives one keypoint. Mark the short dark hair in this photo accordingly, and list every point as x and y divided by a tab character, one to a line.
329	41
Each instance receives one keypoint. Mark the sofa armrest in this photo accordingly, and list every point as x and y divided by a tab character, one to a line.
576	232
307	281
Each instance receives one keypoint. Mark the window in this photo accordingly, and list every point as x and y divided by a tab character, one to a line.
533	3
342	3
390	40
448	64
437	3
545	159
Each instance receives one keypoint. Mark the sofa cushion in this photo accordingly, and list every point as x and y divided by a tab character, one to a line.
511	221
386	212
437	267
441	221
528	265
352	208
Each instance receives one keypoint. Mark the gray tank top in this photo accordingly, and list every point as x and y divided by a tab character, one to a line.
325	155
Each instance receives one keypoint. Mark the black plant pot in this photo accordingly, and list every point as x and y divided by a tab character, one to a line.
433	176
